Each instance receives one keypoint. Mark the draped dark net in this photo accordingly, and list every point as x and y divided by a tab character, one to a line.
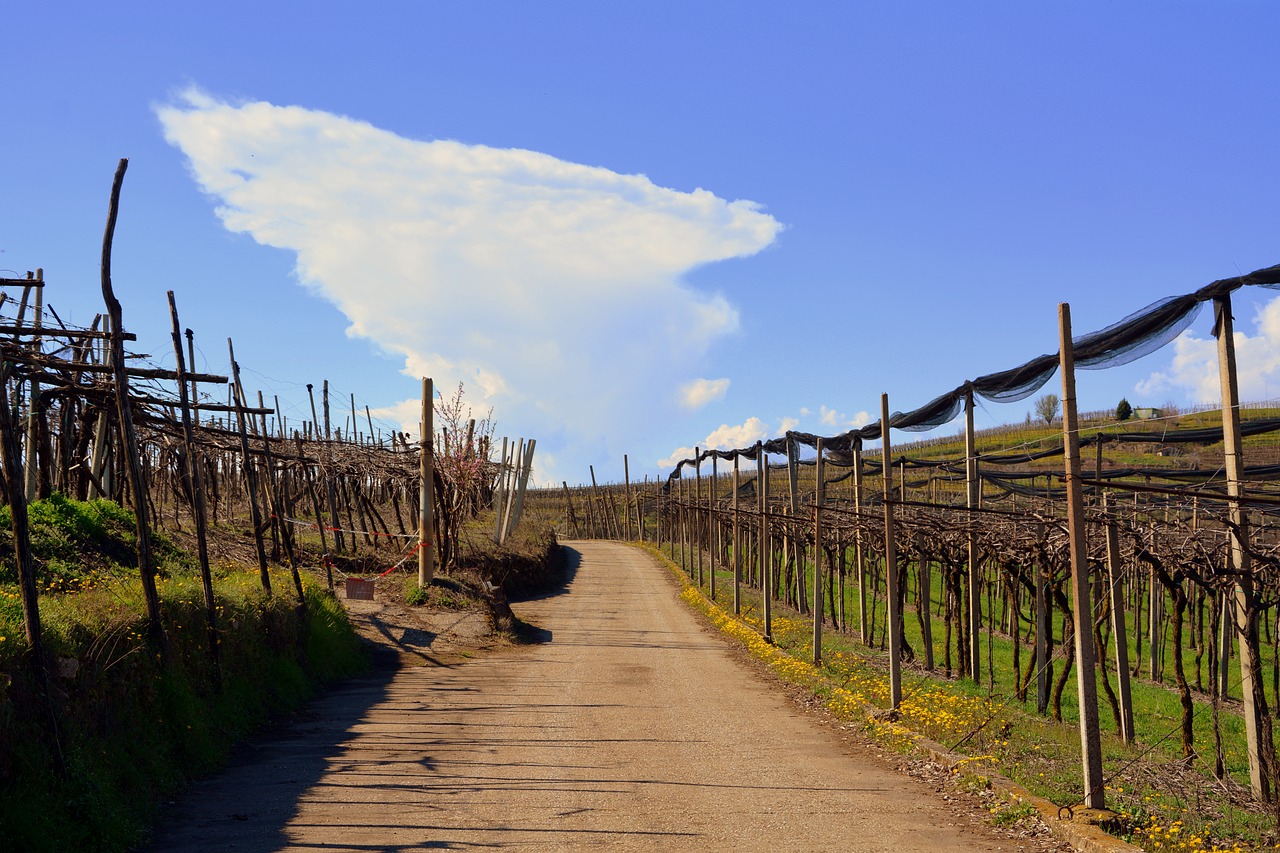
1137	335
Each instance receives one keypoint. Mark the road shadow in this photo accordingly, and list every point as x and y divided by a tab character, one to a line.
569	559
559	579
247	806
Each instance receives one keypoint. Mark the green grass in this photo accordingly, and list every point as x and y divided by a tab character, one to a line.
84	767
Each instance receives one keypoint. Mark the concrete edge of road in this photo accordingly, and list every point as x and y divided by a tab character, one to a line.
1080	829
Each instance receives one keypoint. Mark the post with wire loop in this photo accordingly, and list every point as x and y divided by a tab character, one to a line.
1245	615
1086	666
891	564
764	549
426	553
972	487
817	557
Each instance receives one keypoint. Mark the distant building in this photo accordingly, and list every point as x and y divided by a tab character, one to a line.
1147	414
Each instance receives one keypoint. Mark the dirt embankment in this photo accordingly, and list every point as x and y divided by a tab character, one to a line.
460	614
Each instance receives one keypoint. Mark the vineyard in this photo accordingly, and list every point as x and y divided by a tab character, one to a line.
1114	571
165	530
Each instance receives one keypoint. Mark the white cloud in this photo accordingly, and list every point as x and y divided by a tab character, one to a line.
522	275
832	418
725	437
699	392
747	433
788	424
676	455
1194	369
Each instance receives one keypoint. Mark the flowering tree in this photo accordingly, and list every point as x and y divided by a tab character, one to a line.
464	472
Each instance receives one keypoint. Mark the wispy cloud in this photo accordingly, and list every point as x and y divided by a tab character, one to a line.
832	418
699	392
1194	369
520	274
724	437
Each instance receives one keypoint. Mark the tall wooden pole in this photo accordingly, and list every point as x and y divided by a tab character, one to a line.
526	466
737	548
971	500
626	500
196	485
1245	617
11	459
32	466
766	564
426	490
1118	627
1086	655
858	556
713	528
128	435
517	460
499	495
891	563
251	483
818	491
697	515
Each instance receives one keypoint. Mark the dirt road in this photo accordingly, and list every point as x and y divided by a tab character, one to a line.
630	728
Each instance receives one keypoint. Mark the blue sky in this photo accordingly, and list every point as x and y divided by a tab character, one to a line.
837	199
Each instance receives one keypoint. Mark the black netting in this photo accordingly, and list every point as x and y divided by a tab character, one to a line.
1135	336
1139	334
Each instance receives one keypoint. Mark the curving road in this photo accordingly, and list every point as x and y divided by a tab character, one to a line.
631	728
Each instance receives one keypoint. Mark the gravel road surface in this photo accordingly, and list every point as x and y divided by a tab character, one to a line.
630	727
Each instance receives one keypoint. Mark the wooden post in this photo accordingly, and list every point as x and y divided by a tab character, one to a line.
32	467
196	485
568	499
713	528
11	456
891	563
626	503
517	459
331	491
737	545
697	515
426	489
128	435
101	435
1245	618
971	500
818	609
766	564
680	520
797	548
499	494
1044	631
251	485
1086	654
526	467
1118	627
858	556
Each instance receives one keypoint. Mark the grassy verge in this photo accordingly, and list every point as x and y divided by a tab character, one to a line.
1160	803
124	724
